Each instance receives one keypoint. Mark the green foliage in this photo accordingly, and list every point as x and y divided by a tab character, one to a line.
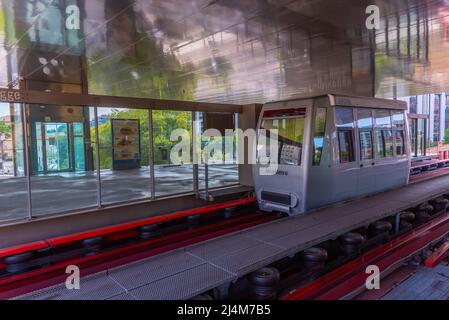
446	136
2	20
164	122
5	128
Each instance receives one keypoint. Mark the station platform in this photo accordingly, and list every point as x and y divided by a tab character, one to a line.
192	270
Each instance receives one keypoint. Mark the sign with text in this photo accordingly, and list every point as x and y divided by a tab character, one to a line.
10	95
126	143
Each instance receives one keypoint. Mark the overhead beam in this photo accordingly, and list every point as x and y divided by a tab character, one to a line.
74	99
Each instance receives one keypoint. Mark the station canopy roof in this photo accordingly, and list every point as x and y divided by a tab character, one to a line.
233	51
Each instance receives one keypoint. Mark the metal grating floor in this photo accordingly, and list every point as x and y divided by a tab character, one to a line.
95	287
187	272
426	284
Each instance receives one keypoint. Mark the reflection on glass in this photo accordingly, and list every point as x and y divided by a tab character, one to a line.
57	146
365	119
171	178
383	119
78	137
366	145
318	136
398	120
63	177
365	125
399	136
344	120
290	132
344	117
13	183
222	168
124	162
346	146
384	140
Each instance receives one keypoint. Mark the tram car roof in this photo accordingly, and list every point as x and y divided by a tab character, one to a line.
345	100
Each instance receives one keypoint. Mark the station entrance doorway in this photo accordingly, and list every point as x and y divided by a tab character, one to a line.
60	146
59	139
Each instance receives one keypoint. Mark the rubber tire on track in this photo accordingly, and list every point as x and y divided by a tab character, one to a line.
193	219
425	207
405	225
18	258
92	242
407	216
229	212
93	249
440	203
265	277
352	238
17	268
149	228
381	226
314	254
263	293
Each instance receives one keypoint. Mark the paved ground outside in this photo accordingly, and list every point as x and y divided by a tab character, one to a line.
71	191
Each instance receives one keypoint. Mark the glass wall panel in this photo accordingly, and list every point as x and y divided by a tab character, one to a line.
61	137
13	182
124	162
173	171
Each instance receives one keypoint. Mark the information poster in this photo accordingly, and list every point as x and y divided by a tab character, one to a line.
126	143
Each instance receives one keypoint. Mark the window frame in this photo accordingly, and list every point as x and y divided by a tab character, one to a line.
399	130
281	137
345	129
369	129
323	136
382	130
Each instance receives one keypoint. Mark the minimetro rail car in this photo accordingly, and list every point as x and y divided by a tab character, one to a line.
331	148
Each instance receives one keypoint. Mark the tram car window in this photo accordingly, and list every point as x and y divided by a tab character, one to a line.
384	134
331	148
365	126
318	135
345	130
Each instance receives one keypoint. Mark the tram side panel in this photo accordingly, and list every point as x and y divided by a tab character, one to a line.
347	152
284	189
323	177
343	175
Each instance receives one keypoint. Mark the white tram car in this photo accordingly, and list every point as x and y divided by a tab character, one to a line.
331	148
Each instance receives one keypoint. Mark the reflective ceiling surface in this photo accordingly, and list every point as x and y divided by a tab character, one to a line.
235	51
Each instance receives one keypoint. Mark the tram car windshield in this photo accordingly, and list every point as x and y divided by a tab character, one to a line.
327	149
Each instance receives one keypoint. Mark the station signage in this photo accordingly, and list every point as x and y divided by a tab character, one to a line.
126	143
10	95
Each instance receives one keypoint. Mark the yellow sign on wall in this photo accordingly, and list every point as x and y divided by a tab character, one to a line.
125	135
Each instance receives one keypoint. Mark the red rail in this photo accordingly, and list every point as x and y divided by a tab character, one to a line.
437	256
54	274
351	276
110	230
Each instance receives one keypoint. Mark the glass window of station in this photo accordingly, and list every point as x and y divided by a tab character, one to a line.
86	157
